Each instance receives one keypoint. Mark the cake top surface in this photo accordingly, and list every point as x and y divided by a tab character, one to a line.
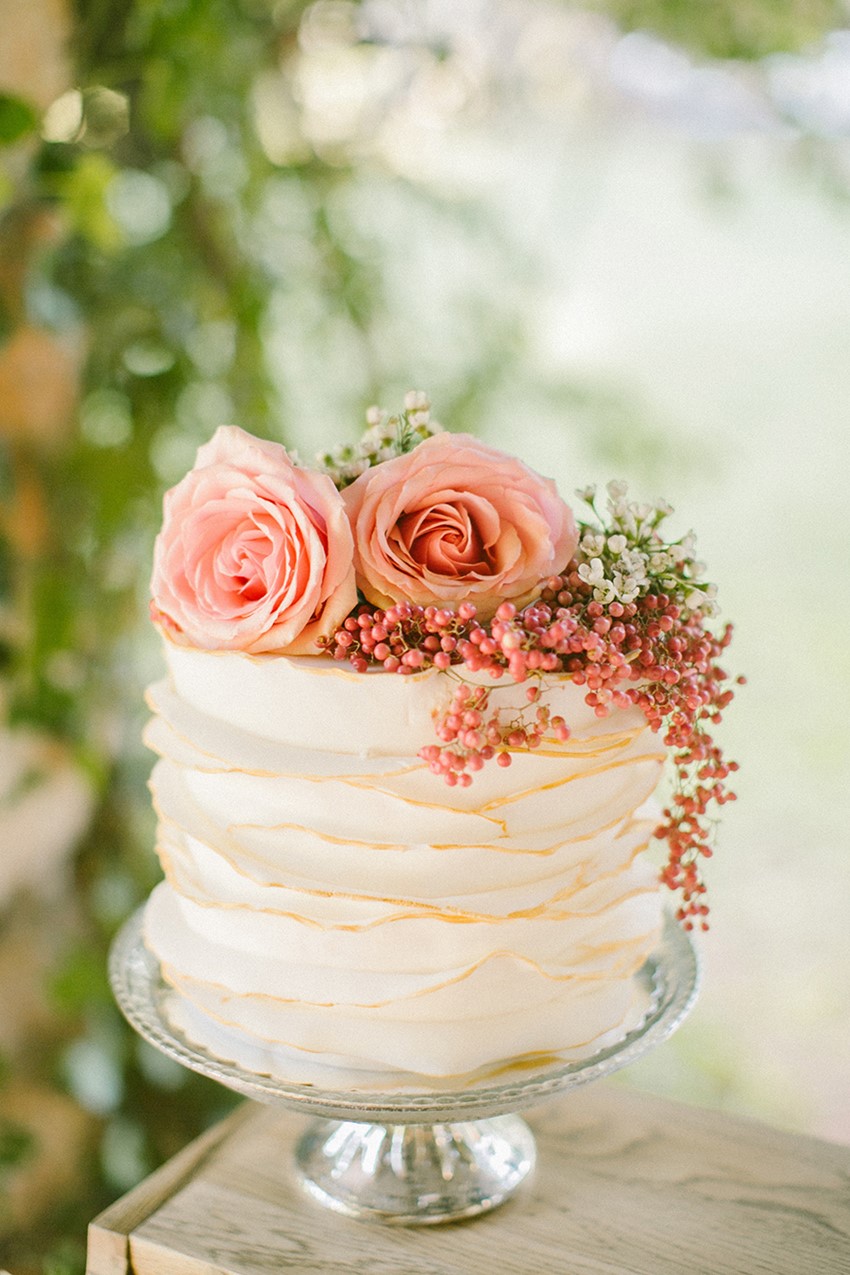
420	551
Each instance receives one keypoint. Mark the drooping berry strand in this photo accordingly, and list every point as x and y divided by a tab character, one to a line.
628	620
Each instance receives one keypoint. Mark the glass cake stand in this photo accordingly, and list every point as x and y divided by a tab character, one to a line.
411	1156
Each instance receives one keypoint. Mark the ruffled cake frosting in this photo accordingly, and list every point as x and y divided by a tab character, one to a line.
333	912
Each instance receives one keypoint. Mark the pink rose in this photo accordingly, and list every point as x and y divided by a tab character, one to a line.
455	521
255	554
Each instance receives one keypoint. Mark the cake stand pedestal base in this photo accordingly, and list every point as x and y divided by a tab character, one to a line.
415	1173
421	1154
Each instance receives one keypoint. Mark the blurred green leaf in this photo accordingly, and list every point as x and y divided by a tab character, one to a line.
17	118
6	572
81	980
105	116
745	29
66	1258
7	194
17	1144
82	190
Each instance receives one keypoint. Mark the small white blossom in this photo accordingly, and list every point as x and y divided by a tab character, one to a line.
633	562
627	521
416	400
385	438
626	586
593	544
592	572
628	557
587	494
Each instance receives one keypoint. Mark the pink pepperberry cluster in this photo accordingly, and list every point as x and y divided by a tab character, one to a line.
653	652
472	734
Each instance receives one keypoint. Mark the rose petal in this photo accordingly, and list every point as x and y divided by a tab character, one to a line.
456	520
254	554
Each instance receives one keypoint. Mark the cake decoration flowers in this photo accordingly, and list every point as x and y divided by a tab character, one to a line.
456	521
255	553
422	550
628	617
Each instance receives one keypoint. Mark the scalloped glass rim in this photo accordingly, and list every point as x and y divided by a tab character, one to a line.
671	974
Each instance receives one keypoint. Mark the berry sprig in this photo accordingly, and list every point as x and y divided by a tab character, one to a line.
627	620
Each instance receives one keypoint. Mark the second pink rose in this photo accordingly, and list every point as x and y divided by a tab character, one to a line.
454	521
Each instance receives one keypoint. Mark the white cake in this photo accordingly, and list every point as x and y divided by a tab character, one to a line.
332	912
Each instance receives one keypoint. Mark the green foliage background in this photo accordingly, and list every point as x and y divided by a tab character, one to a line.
172	314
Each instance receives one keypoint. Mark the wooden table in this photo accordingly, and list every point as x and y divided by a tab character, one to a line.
626	1184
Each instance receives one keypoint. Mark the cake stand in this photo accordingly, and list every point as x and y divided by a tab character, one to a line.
411	1155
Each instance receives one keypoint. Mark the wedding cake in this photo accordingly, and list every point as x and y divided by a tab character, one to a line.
404	763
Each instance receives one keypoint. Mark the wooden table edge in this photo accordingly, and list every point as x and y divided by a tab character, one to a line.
109	1233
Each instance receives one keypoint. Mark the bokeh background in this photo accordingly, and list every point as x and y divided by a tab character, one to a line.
612	237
